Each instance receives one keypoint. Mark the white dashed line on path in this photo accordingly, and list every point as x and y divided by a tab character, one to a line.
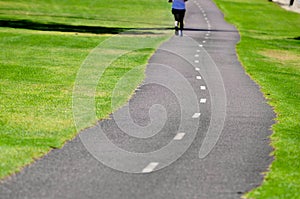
196	115
203	100
150	167
179	136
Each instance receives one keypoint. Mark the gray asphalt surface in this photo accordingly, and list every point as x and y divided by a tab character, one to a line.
238	154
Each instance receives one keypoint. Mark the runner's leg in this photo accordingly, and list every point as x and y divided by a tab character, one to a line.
177	19
181	18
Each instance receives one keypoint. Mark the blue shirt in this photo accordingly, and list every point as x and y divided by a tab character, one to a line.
178	4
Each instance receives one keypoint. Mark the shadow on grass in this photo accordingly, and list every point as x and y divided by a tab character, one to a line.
297	38
31	25
26	24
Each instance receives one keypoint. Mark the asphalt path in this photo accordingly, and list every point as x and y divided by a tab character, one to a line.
197	127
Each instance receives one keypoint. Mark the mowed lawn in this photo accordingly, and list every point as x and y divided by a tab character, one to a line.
270	52
43	44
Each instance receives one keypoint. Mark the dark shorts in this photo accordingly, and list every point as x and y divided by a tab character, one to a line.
179	16
180	12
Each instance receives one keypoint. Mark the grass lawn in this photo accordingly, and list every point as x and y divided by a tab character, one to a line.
270	52
43	44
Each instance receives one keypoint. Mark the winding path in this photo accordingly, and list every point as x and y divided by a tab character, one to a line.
205	129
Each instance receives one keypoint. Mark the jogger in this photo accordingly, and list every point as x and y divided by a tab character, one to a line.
178	10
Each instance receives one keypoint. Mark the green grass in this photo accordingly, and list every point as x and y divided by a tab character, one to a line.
112	13
38	67
270	52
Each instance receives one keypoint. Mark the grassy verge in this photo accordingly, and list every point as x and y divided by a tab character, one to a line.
270	52
39	63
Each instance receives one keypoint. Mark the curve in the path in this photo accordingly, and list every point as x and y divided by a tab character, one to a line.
234	150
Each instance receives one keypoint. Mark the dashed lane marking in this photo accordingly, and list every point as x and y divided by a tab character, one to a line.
150	167
196	115
179	136
203	100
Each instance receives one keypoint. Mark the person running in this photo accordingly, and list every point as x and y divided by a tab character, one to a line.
178	10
